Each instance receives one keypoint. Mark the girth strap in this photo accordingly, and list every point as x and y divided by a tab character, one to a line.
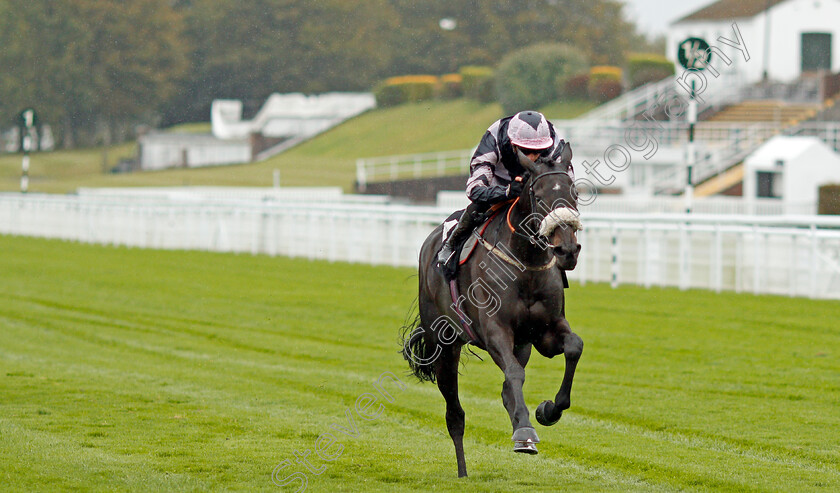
453	291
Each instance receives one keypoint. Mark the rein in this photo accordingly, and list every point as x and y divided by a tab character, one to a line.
533	237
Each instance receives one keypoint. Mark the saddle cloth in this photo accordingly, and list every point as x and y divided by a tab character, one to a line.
469	244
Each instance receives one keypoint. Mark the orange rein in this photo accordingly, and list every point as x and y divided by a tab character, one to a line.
512	229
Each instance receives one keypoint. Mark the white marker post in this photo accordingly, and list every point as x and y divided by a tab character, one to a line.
693	54
28	121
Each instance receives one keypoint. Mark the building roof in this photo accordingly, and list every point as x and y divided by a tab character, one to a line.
729	9
785	148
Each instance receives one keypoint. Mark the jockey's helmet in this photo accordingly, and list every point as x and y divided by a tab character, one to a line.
529	129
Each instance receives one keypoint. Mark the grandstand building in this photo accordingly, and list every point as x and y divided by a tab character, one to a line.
785	39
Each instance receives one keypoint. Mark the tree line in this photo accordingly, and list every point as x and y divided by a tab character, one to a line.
95	68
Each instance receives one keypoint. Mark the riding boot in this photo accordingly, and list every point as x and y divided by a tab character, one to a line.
465	225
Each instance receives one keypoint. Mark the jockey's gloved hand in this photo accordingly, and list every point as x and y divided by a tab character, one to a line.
514	189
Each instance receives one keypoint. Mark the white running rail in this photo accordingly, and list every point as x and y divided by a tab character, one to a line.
791	256
411	166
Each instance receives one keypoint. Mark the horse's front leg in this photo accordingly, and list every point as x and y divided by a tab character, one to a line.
554	342
511	361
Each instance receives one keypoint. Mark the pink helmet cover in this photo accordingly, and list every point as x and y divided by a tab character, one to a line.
529	129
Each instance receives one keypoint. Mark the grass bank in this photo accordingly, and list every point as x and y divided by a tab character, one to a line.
327	160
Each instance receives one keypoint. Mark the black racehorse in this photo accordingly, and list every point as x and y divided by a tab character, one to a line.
512	300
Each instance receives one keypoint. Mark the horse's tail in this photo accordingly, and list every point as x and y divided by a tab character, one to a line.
415	348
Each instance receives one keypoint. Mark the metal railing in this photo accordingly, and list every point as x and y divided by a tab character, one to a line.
411	166
792	256
720	145
662	204
828	132
633	103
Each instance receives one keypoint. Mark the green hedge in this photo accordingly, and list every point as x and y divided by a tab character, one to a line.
829	199
450	86
477	83
405	89
643	68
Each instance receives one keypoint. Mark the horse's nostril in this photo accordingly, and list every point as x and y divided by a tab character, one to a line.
577	248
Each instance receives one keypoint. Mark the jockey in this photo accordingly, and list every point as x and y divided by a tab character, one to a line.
495	172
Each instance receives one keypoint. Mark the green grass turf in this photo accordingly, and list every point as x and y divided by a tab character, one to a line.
327	160
140	370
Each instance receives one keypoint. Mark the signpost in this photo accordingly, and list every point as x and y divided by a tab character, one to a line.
693	54
27	120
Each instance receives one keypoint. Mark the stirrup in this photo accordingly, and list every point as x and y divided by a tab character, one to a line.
444	261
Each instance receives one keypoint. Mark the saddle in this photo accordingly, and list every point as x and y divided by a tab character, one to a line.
466	247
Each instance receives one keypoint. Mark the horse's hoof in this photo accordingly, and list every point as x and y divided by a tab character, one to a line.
525	447
525	434
525	440
544	410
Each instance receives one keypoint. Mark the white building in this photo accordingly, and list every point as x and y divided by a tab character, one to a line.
784	38
175	150
283	121
288	115
791	169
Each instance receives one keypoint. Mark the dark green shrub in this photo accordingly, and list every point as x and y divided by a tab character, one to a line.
450	86
829	199
388	95
643	68
405	89
477	83
536	75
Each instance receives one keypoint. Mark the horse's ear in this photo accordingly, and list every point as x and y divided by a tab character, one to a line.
566	153
526	163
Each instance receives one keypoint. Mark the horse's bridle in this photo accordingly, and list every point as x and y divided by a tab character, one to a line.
533	238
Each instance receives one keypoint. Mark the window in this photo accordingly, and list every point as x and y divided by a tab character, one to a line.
769	184
816	52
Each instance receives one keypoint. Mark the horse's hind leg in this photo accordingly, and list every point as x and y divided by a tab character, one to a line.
568	343
447	380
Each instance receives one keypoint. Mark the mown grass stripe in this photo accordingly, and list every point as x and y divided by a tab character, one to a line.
215	368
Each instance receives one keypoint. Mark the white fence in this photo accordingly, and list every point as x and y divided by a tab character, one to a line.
793	256
719	146
661	204
411	166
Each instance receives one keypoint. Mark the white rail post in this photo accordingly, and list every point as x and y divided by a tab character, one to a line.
646	261
361	175
614	259
717	284
582	262
685	260
813	259
794	254
756	257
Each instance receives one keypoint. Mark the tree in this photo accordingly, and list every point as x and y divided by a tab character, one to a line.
35	37
249	50
86	61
